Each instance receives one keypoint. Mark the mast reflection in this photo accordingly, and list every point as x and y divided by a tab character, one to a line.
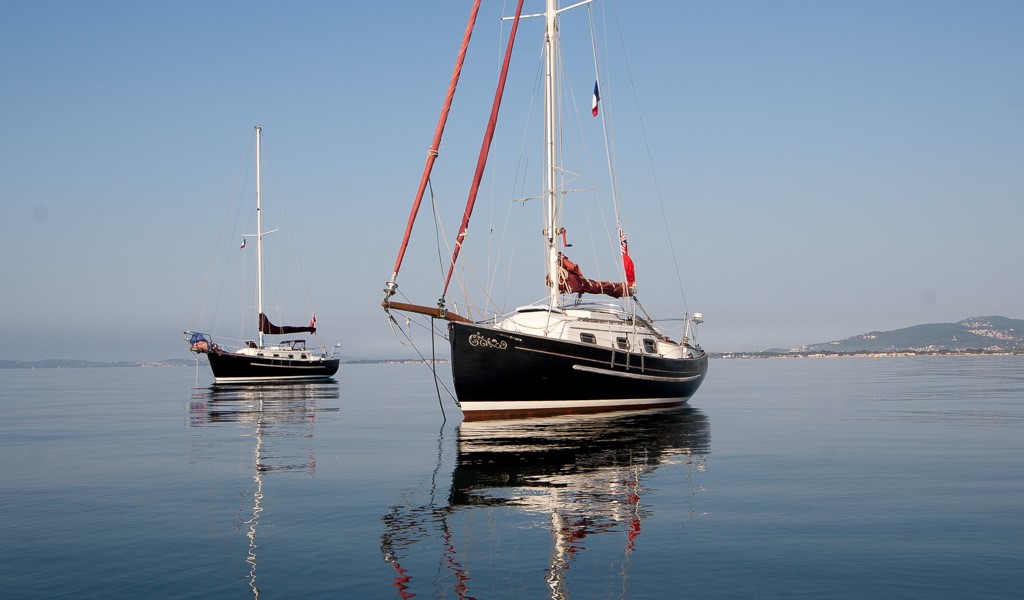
583	473
275	411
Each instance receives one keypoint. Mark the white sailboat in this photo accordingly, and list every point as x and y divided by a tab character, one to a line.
560	355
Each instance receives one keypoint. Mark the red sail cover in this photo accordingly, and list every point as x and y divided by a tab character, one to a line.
268	328
574	282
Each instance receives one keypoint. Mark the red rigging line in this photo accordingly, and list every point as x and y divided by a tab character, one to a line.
436	144
485	147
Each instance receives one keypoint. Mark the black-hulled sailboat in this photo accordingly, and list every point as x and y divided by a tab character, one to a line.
257	361
559	355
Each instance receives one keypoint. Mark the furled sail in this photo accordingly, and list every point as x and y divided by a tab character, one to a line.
268	328
571	280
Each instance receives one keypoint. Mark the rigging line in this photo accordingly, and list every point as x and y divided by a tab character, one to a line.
436	143
597	202
246	282
654	175
647	317
393	324
584	158
433	369
484	147
282	206
234	206
438	230
519	181
439	241
409	320
422	358
512	252
608	135
243	301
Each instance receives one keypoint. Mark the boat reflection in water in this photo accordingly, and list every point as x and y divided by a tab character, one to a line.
580	474
279	412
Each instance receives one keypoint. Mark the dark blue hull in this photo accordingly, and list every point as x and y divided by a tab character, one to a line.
230	367
502	374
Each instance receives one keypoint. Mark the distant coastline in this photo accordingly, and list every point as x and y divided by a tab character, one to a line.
863	354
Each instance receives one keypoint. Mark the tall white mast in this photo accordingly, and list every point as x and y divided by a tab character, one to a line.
259	234
550	147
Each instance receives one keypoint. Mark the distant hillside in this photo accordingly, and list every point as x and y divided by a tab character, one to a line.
976	333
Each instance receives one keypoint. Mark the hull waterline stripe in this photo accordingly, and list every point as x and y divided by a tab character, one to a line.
632	375
244	379
526	405
263	365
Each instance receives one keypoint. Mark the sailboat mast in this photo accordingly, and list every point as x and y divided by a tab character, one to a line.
259	233
550	148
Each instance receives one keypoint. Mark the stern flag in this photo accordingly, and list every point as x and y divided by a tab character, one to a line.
627	262
594	102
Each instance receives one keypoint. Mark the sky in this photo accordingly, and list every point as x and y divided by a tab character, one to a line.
826	168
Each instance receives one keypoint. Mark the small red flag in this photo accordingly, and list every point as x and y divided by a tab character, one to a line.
627	262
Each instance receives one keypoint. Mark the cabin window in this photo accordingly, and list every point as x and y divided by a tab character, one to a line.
303	356
622	343
588	338
649	346
276	355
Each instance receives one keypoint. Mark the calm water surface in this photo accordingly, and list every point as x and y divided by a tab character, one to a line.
822	478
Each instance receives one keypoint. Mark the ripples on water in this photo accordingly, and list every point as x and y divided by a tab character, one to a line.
826	478
927	390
